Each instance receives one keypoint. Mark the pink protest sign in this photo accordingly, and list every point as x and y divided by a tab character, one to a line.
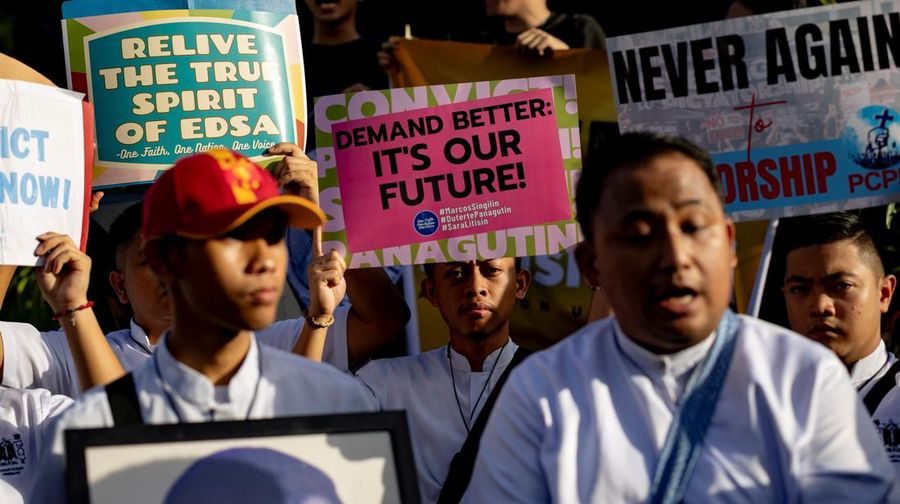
451	170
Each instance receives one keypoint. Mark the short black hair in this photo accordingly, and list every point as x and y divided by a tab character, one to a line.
124	230
628	151
823	229
429	268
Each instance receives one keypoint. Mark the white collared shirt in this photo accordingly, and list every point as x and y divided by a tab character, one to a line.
868	371
24	420
289	386
669	373
34	359
421	385
584	421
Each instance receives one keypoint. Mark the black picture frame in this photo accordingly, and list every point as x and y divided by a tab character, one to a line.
394	423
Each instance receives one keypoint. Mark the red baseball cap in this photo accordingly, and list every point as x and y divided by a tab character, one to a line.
214	192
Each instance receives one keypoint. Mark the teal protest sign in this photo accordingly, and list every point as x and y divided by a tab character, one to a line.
171	78
187	85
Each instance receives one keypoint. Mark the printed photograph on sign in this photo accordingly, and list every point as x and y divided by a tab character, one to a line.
449	172
327	459
798	109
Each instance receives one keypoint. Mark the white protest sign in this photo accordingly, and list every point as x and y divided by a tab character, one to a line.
799	109
42	167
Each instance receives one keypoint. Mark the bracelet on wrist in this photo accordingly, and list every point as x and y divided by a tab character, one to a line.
68	312
320	322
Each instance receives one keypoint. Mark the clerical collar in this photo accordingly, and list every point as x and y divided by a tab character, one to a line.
139	336
677	364
460	362
193	386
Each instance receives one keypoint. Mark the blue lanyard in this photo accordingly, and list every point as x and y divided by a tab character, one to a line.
685	437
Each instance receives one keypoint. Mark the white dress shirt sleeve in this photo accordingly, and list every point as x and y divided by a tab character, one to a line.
508	466
283	335
840	464
49	484
51	406
375	380
33	359
24	417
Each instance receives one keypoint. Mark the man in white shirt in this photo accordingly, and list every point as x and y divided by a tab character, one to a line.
751	406
30	358
835	292
25	414
213	231
444	390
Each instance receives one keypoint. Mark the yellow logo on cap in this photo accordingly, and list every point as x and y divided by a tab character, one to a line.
244	179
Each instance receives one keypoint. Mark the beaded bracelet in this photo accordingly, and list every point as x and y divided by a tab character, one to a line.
70	311
320	322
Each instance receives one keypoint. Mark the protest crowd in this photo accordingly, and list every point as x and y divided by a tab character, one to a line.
261	267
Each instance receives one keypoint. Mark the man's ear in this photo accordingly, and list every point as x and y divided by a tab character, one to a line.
523	281
117	282
428	290
731	231
888	284
584	256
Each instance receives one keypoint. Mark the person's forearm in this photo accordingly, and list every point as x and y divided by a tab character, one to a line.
378	313
311	342
94	358
6	275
